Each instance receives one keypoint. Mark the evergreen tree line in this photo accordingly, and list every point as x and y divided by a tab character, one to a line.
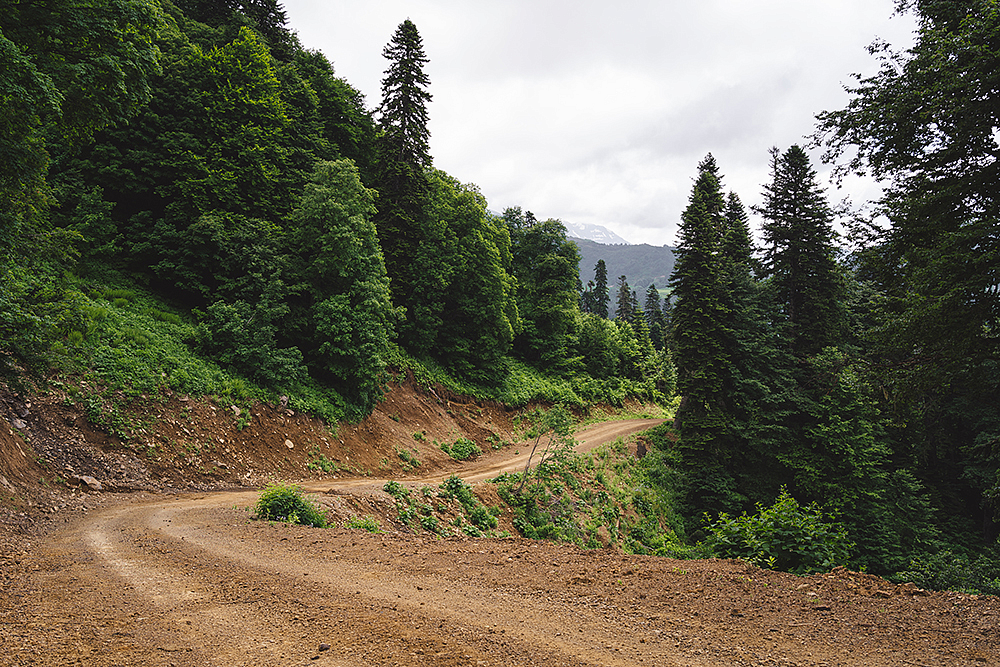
198	149
311	237
860	378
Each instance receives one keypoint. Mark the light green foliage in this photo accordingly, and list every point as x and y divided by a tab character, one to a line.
476	513
409	459
475	519
284	502
367	523
631	501
462	449
784	536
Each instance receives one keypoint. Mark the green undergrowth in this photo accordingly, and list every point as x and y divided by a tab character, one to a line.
450	509
607	497
462	449
523	385
135	344
285	502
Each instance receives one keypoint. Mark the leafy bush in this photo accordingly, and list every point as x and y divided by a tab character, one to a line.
396	490
477	513
462	449
784	537
280	502
946	570
367	523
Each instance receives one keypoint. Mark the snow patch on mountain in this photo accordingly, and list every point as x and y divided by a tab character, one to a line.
594	233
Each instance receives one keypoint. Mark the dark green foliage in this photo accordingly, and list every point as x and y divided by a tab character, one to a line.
343	317
243	337
284	502
66	70
799	259
926	124
784	536
703	346
403	113
946	570
402	157
653	311
546	265
625	301
595	297
462	310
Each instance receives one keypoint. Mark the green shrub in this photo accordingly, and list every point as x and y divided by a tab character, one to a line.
367	523
784	537
396	490
462	449
429	523
280	502
946	570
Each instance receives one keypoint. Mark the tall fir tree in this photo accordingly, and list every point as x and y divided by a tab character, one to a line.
800	254
654	317
602	298
702	348
402	154
625	309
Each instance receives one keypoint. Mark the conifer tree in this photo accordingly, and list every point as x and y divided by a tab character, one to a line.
654	317
702	347
799	257
403	157
602	299
625	309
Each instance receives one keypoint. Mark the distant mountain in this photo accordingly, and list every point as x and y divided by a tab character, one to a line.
593	233
642	265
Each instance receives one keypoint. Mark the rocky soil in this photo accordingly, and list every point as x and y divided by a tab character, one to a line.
163	565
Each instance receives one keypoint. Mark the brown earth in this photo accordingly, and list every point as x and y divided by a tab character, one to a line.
164	565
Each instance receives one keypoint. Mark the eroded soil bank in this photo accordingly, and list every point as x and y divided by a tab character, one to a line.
164	566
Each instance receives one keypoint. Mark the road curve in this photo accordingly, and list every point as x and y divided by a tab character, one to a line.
190	580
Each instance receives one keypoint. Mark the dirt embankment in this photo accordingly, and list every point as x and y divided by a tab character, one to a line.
153	571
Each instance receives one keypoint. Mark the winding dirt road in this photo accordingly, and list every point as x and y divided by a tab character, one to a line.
191	580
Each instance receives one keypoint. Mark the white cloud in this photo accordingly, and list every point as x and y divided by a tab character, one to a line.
599	112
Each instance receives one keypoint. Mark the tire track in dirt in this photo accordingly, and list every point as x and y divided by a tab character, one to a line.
437	599
202	594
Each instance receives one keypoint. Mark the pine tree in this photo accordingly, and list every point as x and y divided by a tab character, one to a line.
702	348
800	257
403	157
602	299
625	309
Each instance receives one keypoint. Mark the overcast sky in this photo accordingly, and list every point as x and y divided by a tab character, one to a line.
599	112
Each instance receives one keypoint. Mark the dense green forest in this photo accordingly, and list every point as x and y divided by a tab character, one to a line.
189	169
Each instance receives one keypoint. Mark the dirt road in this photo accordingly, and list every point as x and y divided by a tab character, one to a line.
191	580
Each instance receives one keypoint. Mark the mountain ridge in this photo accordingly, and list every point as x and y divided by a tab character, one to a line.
641	264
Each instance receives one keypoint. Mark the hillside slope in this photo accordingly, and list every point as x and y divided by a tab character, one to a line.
643	265
164	577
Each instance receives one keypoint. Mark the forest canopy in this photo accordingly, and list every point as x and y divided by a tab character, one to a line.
304	243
